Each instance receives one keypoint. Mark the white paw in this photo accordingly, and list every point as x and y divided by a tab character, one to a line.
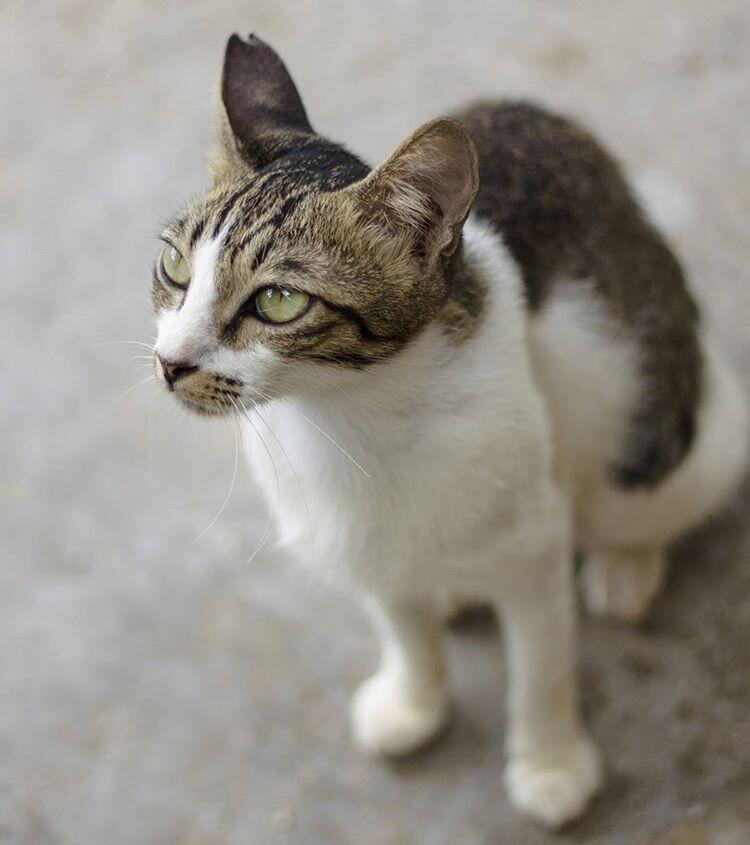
622	586
556	790
388	721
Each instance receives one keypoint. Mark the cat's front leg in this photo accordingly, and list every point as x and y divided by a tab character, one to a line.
553	767
404	704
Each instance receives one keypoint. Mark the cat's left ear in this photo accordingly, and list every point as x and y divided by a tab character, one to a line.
262	115
426	188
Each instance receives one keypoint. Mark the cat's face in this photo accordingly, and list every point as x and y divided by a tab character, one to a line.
299	268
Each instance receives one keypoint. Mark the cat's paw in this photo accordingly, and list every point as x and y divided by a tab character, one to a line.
557	790
388	721
622	586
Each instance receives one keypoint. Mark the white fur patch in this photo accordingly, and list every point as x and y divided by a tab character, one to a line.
455	442
187	333
587	370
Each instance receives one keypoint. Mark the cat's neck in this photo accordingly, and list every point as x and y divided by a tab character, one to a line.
457	352
441	396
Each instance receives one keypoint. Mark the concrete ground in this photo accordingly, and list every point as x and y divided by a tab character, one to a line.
158	690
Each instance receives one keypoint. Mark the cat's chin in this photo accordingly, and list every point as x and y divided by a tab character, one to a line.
205	410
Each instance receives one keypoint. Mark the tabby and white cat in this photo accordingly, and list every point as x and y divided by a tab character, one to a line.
472	358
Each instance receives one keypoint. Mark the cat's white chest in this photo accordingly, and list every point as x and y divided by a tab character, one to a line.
416	493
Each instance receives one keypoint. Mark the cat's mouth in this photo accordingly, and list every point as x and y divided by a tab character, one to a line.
209	395
205	393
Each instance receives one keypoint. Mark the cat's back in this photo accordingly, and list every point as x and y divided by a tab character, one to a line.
569	219
557	197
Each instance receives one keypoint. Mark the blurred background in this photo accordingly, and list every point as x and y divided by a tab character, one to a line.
154	689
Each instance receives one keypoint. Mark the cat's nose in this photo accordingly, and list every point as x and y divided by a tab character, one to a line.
175	370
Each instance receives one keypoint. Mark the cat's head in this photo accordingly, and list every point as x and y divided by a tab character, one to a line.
301	266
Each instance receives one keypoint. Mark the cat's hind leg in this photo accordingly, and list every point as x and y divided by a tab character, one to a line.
627	531
404	704
623	583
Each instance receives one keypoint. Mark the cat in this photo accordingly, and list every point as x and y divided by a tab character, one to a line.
451	371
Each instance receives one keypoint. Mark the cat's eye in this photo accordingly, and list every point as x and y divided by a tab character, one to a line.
176	267
279	305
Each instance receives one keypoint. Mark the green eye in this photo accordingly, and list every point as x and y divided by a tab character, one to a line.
175	266
279	305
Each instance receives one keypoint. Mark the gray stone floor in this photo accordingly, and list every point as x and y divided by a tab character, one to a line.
158	690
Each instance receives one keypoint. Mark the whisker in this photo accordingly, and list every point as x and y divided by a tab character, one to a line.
148	346
265	537
231	488
142	368
148	365
267	530
289	461
322	431
151	416
135	386
294	471
182	418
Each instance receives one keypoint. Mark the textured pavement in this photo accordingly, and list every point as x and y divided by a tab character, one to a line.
158	690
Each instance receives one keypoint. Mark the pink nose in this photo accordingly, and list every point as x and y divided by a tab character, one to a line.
175	370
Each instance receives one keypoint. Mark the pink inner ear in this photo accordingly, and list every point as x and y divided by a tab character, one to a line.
426	187
453	192
440	164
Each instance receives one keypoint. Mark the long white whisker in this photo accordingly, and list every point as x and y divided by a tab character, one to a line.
130	360
292	467
231	488
266	536
337	445
267	530
320	430
263	540
139	384
151	411
139	369
149	346
288	460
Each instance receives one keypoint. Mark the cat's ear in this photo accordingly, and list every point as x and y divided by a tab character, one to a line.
262	113
426	188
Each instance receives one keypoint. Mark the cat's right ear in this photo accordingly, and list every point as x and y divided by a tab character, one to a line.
262	115
423	192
